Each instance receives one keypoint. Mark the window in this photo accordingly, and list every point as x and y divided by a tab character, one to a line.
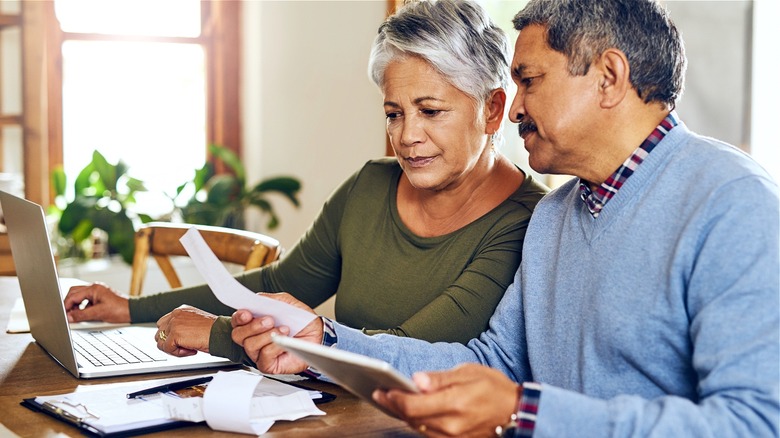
143	103
148	82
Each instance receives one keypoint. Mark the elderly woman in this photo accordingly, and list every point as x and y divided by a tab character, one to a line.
423	245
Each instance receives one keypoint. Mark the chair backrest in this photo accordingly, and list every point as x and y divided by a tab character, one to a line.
161	240
6	259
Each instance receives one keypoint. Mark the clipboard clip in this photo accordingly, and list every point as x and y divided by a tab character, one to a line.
67	415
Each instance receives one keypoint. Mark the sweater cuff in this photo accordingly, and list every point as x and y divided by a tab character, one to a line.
528	408
521	423
220	341
329	339
135	311
585	415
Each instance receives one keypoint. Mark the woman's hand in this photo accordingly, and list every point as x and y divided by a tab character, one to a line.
184	331
469	400
96	302
254	334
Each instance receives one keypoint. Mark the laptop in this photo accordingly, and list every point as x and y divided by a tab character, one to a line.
83	352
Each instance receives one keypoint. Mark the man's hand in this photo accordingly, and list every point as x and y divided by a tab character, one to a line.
96	302
184	331
254	334
469	400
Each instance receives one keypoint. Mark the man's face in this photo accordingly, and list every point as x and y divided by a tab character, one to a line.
554	109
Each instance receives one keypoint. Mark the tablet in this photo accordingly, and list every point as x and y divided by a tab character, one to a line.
358	374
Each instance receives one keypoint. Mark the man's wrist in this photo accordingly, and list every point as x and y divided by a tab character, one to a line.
329	339
523	421
509	427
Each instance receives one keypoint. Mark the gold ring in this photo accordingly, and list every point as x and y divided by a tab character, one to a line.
422	428
161	334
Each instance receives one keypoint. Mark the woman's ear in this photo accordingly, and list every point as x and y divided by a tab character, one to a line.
494	110
614	78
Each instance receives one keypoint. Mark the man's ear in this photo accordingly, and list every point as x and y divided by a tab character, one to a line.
614	77
494	110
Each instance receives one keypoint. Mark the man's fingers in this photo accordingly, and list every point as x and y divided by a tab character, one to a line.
380	396
415	406
254	327
438	380
263	346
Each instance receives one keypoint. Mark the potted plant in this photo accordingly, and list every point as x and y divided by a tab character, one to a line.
103	199
222	199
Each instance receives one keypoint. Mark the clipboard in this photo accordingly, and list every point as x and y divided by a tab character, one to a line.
105	411
86	424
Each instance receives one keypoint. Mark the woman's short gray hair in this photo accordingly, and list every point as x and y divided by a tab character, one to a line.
456	37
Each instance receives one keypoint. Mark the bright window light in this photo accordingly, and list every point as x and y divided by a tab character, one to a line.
130	17
143	103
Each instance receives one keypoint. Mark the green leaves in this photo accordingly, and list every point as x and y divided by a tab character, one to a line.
103	194
59	181
230	159
284	185
103	198
222	199
224	190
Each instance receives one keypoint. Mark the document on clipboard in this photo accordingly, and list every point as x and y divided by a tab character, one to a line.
106	410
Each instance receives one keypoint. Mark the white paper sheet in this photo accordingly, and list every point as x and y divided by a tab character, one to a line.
107	409
243	402
232	293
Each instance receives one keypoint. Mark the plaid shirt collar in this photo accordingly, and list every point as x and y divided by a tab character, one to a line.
596	200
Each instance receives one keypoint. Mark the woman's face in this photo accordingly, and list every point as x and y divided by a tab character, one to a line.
437	132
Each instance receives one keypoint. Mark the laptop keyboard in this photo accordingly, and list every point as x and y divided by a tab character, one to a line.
111	347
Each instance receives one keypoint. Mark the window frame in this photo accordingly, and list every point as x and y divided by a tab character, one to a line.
42	95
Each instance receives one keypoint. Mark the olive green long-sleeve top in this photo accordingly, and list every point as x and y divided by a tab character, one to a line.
386	279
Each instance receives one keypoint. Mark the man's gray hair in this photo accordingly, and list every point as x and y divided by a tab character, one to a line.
583	29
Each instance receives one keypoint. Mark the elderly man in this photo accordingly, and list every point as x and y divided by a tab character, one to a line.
647	301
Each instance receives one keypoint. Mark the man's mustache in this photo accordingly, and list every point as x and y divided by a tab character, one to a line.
525	126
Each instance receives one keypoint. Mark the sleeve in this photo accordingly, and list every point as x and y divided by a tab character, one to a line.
733	297
461	312
310	272
221	344
150	308
502	346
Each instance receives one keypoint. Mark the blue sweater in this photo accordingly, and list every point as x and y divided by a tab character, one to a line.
659	318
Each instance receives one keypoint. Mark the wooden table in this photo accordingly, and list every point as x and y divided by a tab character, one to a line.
26	370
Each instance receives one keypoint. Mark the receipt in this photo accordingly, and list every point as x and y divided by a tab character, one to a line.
234	294
242	402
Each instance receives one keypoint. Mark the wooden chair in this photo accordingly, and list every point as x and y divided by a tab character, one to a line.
161	240
6	260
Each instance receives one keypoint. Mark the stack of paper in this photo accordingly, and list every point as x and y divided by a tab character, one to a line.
235	401
243	402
